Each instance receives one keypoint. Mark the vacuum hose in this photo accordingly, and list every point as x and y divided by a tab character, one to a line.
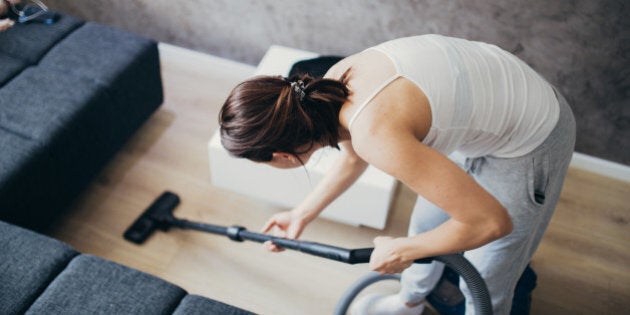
457	262
357	287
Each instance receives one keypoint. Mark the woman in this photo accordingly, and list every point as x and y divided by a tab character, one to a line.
404	106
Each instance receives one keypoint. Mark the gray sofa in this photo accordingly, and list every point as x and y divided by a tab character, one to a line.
40	275
71	94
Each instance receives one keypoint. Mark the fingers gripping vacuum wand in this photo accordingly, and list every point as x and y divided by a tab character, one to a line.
159	215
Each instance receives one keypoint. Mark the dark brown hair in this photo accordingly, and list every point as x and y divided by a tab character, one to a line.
266	114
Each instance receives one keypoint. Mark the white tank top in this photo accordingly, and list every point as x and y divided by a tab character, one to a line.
484	100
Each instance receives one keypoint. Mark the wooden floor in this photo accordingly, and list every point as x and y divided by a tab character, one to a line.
583	263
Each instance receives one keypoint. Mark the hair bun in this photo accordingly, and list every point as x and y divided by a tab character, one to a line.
298	88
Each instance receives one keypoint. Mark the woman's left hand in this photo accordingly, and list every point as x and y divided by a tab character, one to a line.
387	256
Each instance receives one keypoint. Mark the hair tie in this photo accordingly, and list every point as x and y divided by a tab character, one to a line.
298	87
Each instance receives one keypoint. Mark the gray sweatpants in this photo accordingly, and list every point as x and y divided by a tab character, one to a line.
529	188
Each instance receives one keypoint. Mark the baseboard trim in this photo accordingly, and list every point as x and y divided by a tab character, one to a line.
600	166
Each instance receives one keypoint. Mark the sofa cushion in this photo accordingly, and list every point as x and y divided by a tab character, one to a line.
28	263
31	41
97	51
198	305
123	62
91	285
39	102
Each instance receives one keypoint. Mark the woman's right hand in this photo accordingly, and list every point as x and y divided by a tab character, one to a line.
286	224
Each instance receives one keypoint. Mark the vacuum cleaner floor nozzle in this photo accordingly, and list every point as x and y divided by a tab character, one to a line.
159	215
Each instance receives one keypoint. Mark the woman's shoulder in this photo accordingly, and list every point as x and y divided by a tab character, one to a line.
361	58
338	69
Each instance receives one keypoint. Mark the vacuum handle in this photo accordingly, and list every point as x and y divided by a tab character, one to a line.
239	234
349	256
312	248
362	255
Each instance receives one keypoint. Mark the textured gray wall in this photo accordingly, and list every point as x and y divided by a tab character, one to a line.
581	46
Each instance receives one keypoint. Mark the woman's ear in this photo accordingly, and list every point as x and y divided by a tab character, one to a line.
284	160
283	156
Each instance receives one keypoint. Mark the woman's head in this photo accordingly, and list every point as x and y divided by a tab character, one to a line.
270	114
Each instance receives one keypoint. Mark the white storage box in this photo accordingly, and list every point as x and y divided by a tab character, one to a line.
365	203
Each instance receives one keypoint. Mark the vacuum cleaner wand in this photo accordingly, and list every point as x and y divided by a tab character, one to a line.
159	215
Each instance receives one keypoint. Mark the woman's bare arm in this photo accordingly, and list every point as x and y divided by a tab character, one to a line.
476	217
343	173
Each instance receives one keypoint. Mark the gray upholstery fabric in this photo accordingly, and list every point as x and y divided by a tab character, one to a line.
91	285
12	160
126	65
40	102
30	41
198	305
58	134
105	53
10	67
40	275
28	263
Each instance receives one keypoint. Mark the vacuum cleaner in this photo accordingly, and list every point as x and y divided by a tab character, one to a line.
159	216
